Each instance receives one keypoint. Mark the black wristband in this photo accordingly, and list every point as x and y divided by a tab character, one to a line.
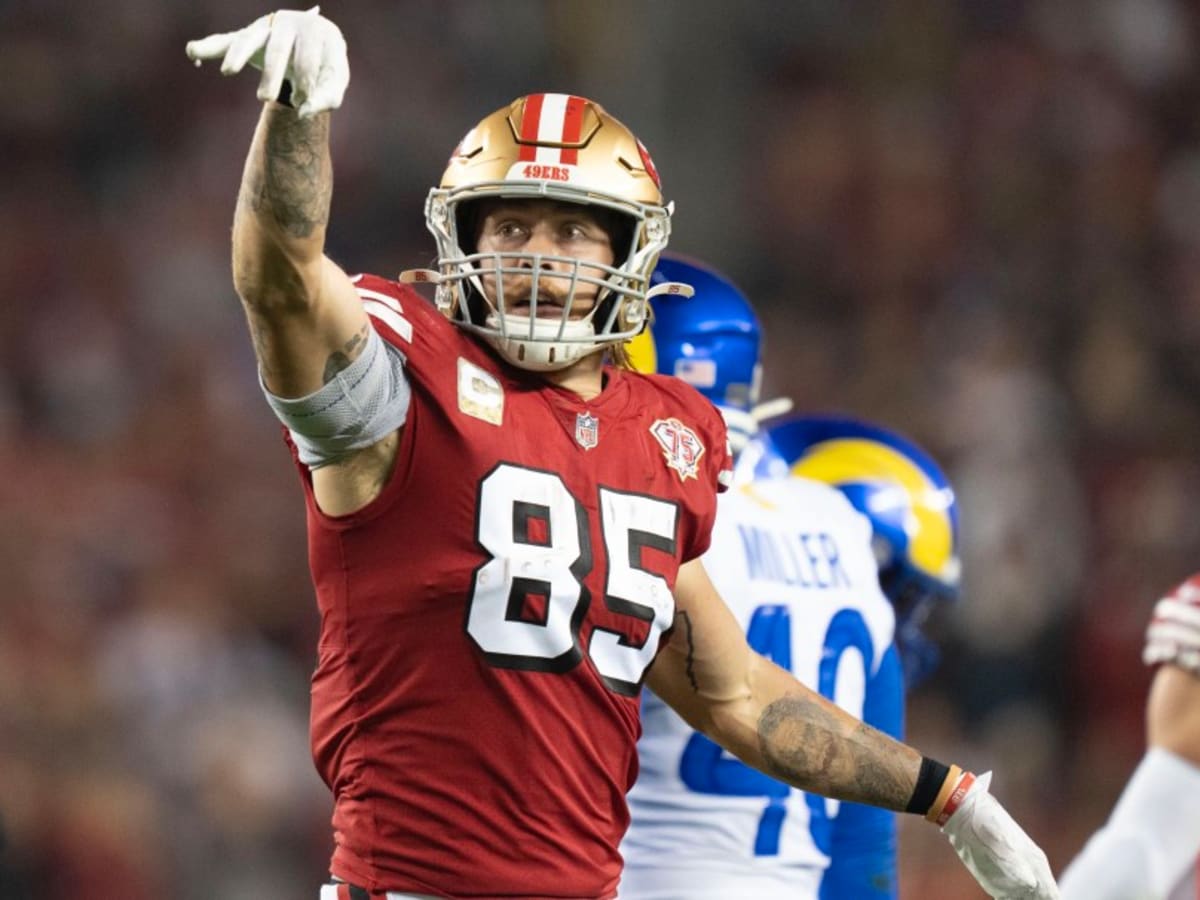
930	780
285	94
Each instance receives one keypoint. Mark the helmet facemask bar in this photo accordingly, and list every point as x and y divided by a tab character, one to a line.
499	266
620	308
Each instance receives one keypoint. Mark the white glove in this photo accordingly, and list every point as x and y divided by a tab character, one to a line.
303	47
994	848
1174	632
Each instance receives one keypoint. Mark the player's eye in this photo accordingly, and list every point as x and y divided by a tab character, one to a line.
510	229
579	231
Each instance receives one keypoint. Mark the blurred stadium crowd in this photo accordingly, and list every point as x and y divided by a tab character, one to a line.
978	223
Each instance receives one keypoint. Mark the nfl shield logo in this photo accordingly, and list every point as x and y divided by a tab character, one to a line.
587	430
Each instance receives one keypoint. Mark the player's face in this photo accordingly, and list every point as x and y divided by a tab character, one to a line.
551	229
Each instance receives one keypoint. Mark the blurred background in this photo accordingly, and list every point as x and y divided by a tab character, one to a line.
975	222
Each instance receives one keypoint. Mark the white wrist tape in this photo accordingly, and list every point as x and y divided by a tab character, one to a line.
1150	840
363	404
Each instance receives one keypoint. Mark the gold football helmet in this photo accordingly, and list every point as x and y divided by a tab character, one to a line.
548	147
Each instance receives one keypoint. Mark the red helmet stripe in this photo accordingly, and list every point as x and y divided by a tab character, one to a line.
530	125
551	119
648	165
572	129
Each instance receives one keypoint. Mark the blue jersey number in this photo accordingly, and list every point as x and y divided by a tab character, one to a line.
847	629
706	768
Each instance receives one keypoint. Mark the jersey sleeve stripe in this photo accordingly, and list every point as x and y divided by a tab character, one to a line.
368	294
390	317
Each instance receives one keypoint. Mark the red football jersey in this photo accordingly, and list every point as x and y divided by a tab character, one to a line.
487	621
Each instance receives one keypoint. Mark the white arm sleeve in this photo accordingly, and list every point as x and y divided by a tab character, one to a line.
363	404
1151	840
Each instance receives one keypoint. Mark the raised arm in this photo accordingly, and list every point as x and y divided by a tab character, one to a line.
306	321
1173	640
303	313
771	721
1173	713
1152	839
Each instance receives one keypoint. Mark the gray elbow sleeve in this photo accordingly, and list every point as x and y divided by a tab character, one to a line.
363	404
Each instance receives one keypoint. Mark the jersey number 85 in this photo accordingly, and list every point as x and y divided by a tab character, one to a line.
528	600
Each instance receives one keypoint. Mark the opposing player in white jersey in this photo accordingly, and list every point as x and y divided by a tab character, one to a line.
802	563
1150	847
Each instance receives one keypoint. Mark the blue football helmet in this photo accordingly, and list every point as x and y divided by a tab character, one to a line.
711	340
905	496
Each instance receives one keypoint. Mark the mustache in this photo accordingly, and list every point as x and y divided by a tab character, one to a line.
524	295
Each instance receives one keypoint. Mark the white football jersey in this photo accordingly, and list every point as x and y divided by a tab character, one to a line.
793	560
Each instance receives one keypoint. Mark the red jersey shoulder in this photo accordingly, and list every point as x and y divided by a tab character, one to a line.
438	355
403	316
680	415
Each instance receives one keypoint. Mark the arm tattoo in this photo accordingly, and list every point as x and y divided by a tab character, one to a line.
689	663
341	359
292	182
803	743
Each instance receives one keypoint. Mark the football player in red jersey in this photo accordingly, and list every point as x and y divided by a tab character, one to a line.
1150	846
504	528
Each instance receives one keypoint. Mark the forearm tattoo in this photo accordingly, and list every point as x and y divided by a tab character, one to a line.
292	182
805	744
341	359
